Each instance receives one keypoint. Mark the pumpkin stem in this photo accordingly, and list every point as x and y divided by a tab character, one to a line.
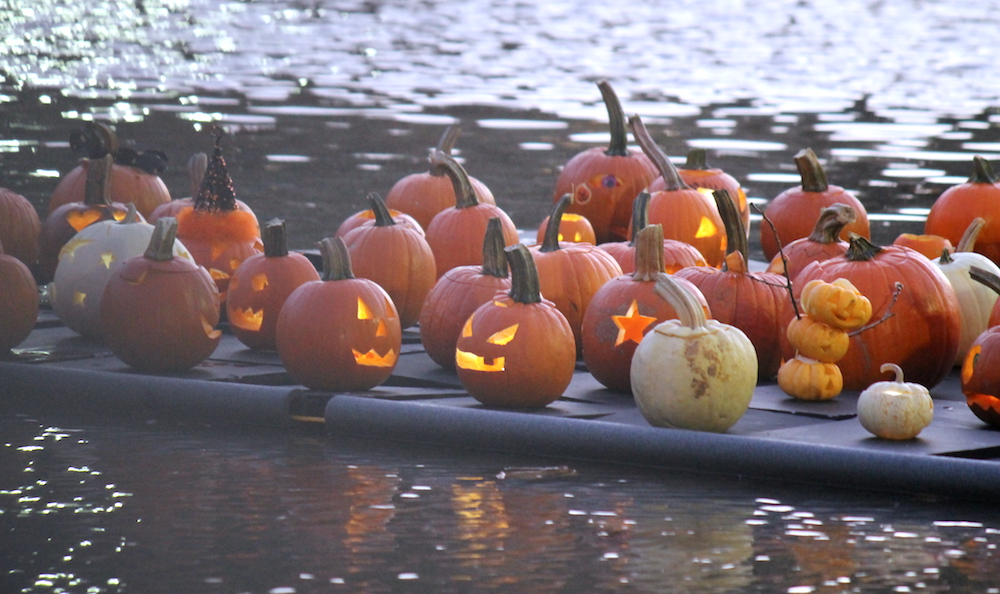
274	238
550	242
216	193
736	236
689	311
161	243
447	142
648	253
97	191
986	277
196	167
813	176
697	160
94	141
465	196
494	257
383	218
524	287
671	177
831	222
618	147
640	214
131	215
968	241
982	173
336	259
861	250
895	369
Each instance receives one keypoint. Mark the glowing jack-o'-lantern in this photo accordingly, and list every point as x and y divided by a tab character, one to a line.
517	350
339	333
676	254
573	228
980	377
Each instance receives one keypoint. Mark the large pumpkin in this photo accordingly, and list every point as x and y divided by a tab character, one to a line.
956	207
981	377
676	254
159	312
922	333
603	182
19	296
19	227
697	174
339	333
516	350
793	213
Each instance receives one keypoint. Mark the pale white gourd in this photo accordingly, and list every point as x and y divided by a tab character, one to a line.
896	409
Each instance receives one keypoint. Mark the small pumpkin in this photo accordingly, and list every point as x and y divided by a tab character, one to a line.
19	296
261	284
458	293
685	213
517	350
604	182
794	211
896	409
931	246
19	227
822	244
954	210
809	379
339	333
837	304
159	312
573	228
817	340
693	373
980	378
697	174
676	254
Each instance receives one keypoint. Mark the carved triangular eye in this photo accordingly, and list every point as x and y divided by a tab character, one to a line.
504	336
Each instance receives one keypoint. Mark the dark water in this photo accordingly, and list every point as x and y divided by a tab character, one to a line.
326	101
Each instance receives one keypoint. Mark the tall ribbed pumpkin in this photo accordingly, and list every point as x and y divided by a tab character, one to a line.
954	210
676	254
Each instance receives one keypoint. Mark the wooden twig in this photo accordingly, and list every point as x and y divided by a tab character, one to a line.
784	261
888	312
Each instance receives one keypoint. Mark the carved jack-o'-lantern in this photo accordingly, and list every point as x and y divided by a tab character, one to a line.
980	379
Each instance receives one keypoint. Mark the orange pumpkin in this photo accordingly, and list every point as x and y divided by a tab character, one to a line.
516	350
456	234
458	293
794	212
159	312
354	345
423	195
573	227
980	380
396	257
954	210
685	213
697	174
133	178
261	284
367	217
676	254
603	182
19	296
197	166
19	227
823	243
931	246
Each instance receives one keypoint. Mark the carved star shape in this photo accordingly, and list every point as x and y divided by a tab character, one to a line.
632	324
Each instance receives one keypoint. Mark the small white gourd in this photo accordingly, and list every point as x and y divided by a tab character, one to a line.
895	409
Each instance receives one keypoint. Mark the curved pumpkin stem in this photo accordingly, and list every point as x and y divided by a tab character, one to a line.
861	250
524	287
197	165
161	243
447	142
131	215
216	193
274	238
336	259
689	311
831	222
640	214
697	160
736	237
550	242
895	369
383	218
982	173
671	177
97	191
985	277
494	257
94	141
618	146
968	241
811	172
648	253
465	196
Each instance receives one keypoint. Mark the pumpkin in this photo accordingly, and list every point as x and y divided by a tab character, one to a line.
604	182
456	234
838	304
516	350
458	293
573	228
896	409
367	217
423	195
692	373
66	220
685	213
954	210
676	254
817	340
809	379
931	246
19	227
218	234
921	335
159	312
339	333
570	273
697	174
134	176
19	296
196	167
823	243
979	378
754	302
261	284
623	310
88	261
396	257
793	213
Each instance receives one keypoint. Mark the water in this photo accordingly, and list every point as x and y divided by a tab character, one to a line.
324	102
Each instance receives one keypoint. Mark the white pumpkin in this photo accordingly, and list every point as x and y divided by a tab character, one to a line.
895	409
86	263
692	373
